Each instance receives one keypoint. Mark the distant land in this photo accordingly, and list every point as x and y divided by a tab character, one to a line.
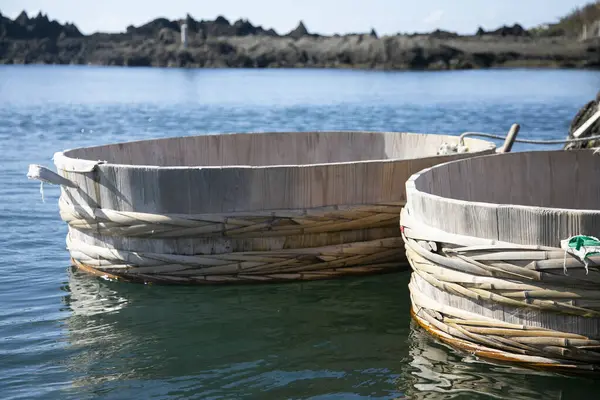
222	44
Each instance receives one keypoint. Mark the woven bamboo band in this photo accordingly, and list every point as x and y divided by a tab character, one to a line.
504	300
289	264
433	324
241	224
294	264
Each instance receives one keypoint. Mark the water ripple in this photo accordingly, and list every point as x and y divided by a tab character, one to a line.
67	335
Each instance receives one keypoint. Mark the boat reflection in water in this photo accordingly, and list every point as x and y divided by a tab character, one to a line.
294	340
91	296
348	338
437	371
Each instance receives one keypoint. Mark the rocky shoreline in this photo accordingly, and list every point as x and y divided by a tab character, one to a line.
221	44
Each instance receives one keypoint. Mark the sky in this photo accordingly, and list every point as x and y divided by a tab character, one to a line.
319	16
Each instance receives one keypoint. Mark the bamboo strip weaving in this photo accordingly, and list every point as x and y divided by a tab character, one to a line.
504	259
246	224
320	262
512	301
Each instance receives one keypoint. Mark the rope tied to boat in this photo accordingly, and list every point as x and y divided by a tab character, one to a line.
461	147
529	141
585	122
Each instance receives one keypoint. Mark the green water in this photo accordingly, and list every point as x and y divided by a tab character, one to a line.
65	335
350	338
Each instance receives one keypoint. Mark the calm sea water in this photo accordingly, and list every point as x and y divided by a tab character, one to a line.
65	335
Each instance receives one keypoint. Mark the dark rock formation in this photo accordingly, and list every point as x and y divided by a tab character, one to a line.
39	27
593	53
299	32
444	34
152	28
221	27
580	118
219	43
243	27
191	23
167	36
515	30
216	28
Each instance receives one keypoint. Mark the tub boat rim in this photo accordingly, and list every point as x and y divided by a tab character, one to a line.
63	161
411	188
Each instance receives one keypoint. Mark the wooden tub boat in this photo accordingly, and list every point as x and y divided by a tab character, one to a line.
503	265
242	207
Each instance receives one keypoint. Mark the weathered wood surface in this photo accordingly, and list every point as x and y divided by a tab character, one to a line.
244	207
483	237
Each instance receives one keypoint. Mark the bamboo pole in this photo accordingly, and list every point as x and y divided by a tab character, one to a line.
510	139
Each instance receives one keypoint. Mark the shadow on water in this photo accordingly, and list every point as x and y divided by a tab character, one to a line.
350	338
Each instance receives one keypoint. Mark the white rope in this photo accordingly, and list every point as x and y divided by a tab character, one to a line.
461	147
529	141
576	135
